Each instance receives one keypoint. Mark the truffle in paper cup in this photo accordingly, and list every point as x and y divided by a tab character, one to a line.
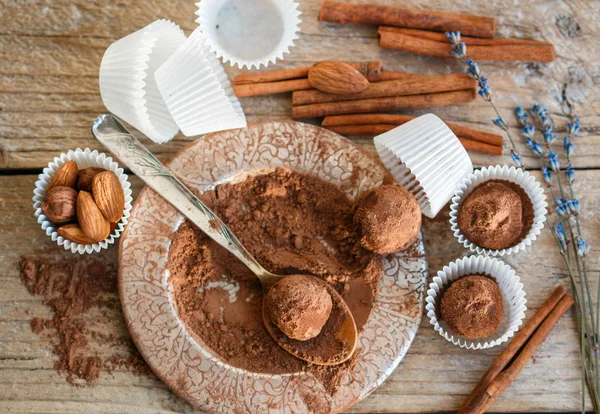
530	185
513	297
84	159
127	83
196	90
426	158
249	33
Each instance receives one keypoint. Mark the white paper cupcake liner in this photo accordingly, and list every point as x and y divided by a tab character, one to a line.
197	91
233	28
427	159
515	175
85	159
127	84
512	293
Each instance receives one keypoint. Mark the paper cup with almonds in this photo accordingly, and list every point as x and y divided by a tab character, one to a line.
249	33
82	200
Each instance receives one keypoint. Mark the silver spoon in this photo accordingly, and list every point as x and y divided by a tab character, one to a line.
113	135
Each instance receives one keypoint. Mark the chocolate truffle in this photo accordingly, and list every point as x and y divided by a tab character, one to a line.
388	219
299	305
472	306
492	215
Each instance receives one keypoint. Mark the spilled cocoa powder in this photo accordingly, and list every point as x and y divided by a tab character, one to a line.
83	297
293	224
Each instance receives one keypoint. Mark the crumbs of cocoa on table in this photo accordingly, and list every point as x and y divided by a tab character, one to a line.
82	295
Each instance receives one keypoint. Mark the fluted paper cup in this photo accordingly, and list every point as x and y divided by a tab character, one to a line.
197	91
127	84
530	185
513	297
84	159
427	159
249	33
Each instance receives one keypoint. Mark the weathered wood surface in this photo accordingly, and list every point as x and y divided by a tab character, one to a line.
49	57
50	52
434	376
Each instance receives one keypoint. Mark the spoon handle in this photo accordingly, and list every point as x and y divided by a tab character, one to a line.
114	136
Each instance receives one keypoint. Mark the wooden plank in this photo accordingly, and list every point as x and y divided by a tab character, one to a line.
434	376
50	52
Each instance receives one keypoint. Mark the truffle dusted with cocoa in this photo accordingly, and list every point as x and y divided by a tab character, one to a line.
299	305
388	219
495	215
472	306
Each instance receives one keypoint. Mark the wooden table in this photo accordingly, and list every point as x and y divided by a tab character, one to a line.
50	52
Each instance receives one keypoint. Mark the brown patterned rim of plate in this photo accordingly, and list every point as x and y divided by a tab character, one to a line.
187	365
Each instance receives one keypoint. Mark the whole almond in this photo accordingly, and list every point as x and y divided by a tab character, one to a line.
65	176
109	196
91	220
74	233
337	78
85	177
59	205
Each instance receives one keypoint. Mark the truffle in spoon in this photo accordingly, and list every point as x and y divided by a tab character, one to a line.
299	306
309	319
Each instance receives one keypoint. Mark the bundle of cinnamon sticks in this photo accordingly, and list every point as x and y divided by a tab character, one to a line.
387	91
421	31
375	124
517	353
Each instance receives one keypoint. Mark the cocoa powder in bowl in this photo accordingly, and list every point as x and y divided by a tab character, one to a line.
293	224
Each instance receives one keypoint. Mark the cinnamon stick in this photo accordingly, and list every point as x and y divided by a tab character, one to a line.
396	120
425	43
470	25
400	87
378	129
269	88
370	69
515	356
383	104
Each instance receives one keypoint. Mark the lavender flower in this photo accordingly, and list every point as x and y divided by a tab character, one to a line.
459	50
522	116
528	131
453	37
582	247
574	128
562	209
516	158
560	235
535	147
550	138
574	206
485	91
547	129
472	69
569	147
553	161
570	174
499	122
547	175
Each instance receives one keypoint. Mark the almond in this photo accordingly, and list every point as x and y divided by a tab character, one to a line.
337	78
74	233
59	205
91	220
109	196
85	177
65	176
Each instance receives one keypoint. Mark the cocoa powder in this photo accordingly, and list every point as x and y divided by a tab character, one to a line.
293	224
82	295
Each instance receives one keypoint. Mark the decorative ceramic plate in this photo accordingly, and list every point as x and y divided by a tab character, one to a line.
186	364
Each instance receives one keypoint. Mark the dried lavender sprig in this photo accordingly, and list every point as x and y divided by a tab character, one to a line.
459	50
569	208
